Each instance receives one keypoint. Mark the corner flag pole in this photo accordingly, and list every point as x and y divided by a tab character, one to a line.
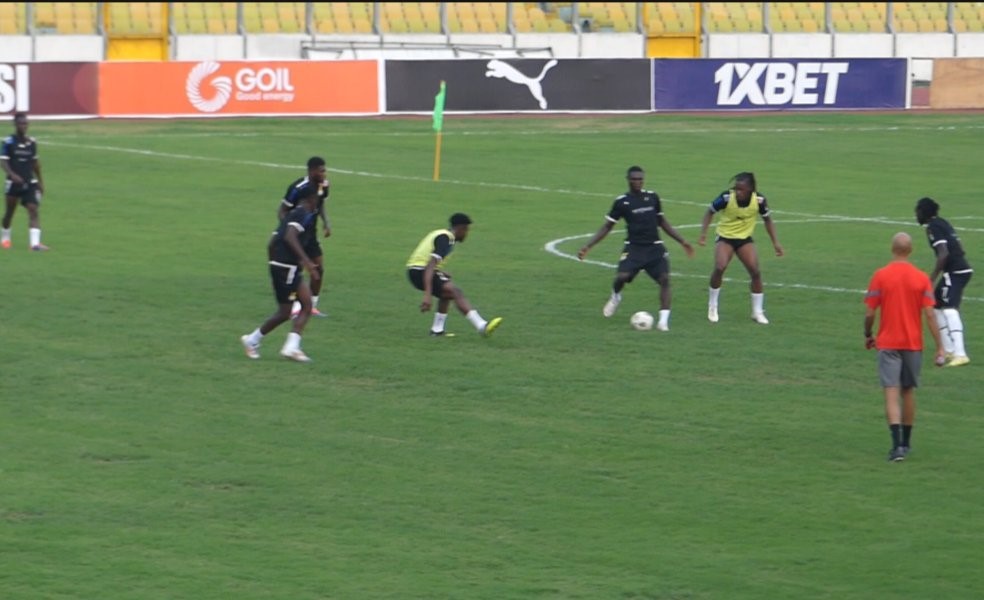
438	126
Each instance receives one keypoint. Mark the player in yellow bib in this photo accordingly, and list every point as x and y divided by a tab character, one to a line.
425	269
739	208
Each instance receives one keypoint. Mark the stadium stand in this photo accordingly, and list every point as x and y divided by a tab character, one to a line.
658	18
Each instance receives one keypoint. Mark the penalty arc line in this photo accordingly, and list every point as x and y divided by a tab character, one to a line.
551	247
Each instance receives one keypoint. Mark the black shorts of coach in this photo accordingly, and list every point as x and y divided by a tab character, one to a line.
651	258
416	276
27	193
286	278
949	289
735	243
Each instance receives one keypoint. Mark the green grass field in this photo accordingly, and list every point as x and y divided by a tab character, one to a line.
566	457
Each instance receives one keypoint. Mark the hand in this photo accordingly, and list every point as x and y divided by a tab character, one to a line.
702	240
327	231
869	342
688	249
779	250
582	253
425	304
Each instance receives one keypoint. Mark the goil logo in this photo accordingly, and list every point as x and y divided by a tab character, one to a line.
251	85
14	88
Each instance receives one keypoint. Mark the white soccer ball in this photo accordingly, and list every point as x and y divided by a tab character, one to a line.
642	321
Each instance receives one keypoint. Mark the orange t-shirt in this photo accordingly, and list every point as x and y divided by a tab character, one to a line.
902	291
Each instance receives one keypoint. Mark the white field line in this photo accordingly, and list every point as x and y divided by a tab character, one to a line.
550	246
572	132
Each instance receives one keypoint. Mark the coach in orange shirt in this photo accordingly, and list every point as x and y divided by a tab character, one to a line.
903	292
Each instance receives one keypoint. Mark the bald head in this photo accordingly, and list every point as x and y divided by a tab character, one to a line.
902	244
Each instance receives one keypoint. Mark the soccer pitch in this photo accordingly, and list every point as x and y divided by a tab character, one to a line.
566	457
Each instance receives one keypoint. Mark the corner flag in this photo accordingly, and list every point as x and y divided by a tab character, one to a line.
438	126
439	109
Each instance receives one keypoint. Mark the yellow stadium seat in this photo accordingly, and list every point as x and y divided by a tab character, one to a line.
907	26
216	26
362	25
559	26
810	26
487	24
347	26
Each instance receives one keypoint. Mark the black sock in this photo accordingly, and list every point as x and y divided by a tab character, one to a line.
896	434
906	434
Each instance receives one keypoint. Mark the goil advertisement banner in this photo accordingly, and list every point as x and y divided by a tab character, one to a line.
211	88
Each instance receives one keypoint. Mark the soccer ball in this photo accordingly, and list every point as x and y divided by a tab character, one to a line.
642	321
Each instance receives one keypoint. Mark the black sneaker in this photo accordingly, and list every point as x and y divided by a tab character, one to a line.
897	454
442	334
905	451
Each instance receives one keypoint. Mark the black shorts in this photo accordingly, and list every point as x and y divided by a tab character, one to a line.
949	289
437	284
312	248
286	278
735	243
27	193
649	257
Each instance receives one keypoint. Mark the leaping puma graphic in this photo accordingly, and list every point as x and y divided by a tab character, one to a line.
503	70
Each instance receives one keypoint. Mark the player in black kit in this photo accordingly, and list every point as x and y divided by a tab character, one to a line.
287	258
316	177
19	160
952	264
643	250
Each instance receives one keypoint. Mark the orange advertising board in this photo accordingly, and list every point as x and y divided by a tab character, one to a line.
238	88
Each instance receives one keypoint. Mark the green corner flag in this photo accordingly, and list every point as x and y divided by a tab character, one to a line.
439	109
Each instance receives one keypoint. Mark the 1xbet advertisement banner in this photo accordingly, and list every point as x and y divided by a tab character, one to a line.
519	85
779	84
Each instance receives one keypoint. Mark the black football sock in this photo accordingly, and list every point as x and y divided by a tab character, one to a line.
896	434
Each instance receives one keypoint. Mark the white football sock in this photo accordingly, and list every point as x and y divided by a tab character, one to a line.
476	320
293	342
35	234
439	319
712	297
955	323
5	235
296	308
255	337
314	302
757	301
944	327
664	316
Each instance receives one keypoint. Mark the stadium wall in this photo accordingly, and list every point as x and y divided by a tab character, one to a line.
91	48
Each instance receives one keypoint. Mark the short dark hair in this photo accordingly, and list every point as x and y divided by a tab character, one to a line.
315	161
459	219
928	207
748	177
634	169
19	115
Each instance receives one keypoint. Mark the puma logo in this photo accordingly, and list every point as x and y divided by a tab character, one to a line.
503	70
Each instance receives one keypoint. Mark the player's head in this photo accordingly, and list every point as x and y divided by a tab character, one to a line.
926	209
20	122
635	176
744	185
901	244
316	169
459	225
